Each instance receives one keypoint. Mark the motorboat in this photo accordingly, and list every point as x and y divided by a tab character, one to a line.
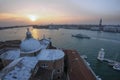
116	66
81	36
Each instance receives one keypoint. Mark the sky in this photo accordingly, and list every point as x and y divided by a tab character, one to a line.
22	12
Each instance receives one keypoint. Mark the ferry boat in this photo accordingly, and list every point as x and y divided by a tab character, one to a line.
81	36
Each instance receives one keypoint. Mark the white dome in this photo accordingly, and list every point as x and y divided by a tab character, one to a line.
30	45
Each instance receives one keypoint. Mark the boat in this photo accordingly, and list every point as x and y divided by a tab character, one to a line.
111	63
84	56
101	55
81	36
116	66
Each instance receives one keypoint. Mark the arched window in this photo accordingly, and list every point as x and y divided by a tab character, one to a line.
58	70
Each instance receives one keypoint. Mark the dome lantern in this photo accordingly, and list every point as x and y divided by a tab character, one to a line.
28	34
29	44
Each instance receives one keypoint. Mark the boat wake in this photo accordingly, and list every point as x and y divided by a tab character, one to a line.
110	40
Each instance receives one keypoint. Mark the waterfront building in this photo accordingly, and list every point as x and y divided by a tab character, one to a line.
33	60
95	28
110	29
118	29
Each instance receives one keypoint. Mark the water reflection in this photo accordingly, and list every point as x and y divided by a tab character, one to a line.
35	33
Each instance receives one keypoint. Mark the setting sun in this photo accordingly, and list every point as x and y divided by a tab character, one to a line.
32	17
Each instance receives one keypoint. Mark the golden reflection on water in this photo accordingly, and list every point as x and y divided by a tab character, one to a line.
35	33
38	33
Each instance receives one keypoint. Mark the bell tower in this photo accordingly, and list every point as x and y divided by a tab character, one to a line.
100	25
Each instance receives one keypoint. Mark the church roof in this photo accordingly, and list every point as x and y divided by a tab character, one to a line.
50	54
10	54
19	69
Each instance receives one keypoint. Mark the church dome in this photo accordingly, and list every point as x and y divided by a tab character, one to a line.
29	45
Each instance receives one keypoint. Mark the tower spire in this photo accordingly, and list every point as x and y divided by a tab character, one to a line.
100	23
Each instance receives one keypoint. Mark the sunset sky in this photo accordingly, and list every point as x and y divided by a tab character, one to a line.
20	12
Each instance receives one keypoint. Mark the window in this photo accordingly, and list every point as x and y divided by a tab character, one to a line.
58	70
58	77
44	65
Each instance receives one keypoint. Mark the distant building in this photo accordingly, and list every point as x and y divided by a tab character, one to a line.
111	28
118	29
95	28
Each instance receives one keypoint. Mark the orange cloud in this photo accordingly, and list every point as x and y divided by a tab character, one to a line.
52	17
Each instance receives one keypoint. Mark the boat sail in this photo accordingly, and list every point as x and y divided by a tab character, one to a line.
101	55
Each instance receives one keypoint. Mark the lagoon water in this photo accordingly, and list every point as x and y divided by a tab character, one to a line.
62	39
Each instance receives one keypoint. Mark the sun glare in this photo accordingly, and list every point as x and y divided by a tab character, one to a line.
32	17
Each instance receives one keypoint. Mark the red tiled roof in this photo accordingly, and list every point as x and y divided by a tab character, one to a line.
77	69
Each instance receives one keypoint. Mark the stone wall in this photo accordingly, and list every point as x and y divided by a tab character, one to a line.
56	66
